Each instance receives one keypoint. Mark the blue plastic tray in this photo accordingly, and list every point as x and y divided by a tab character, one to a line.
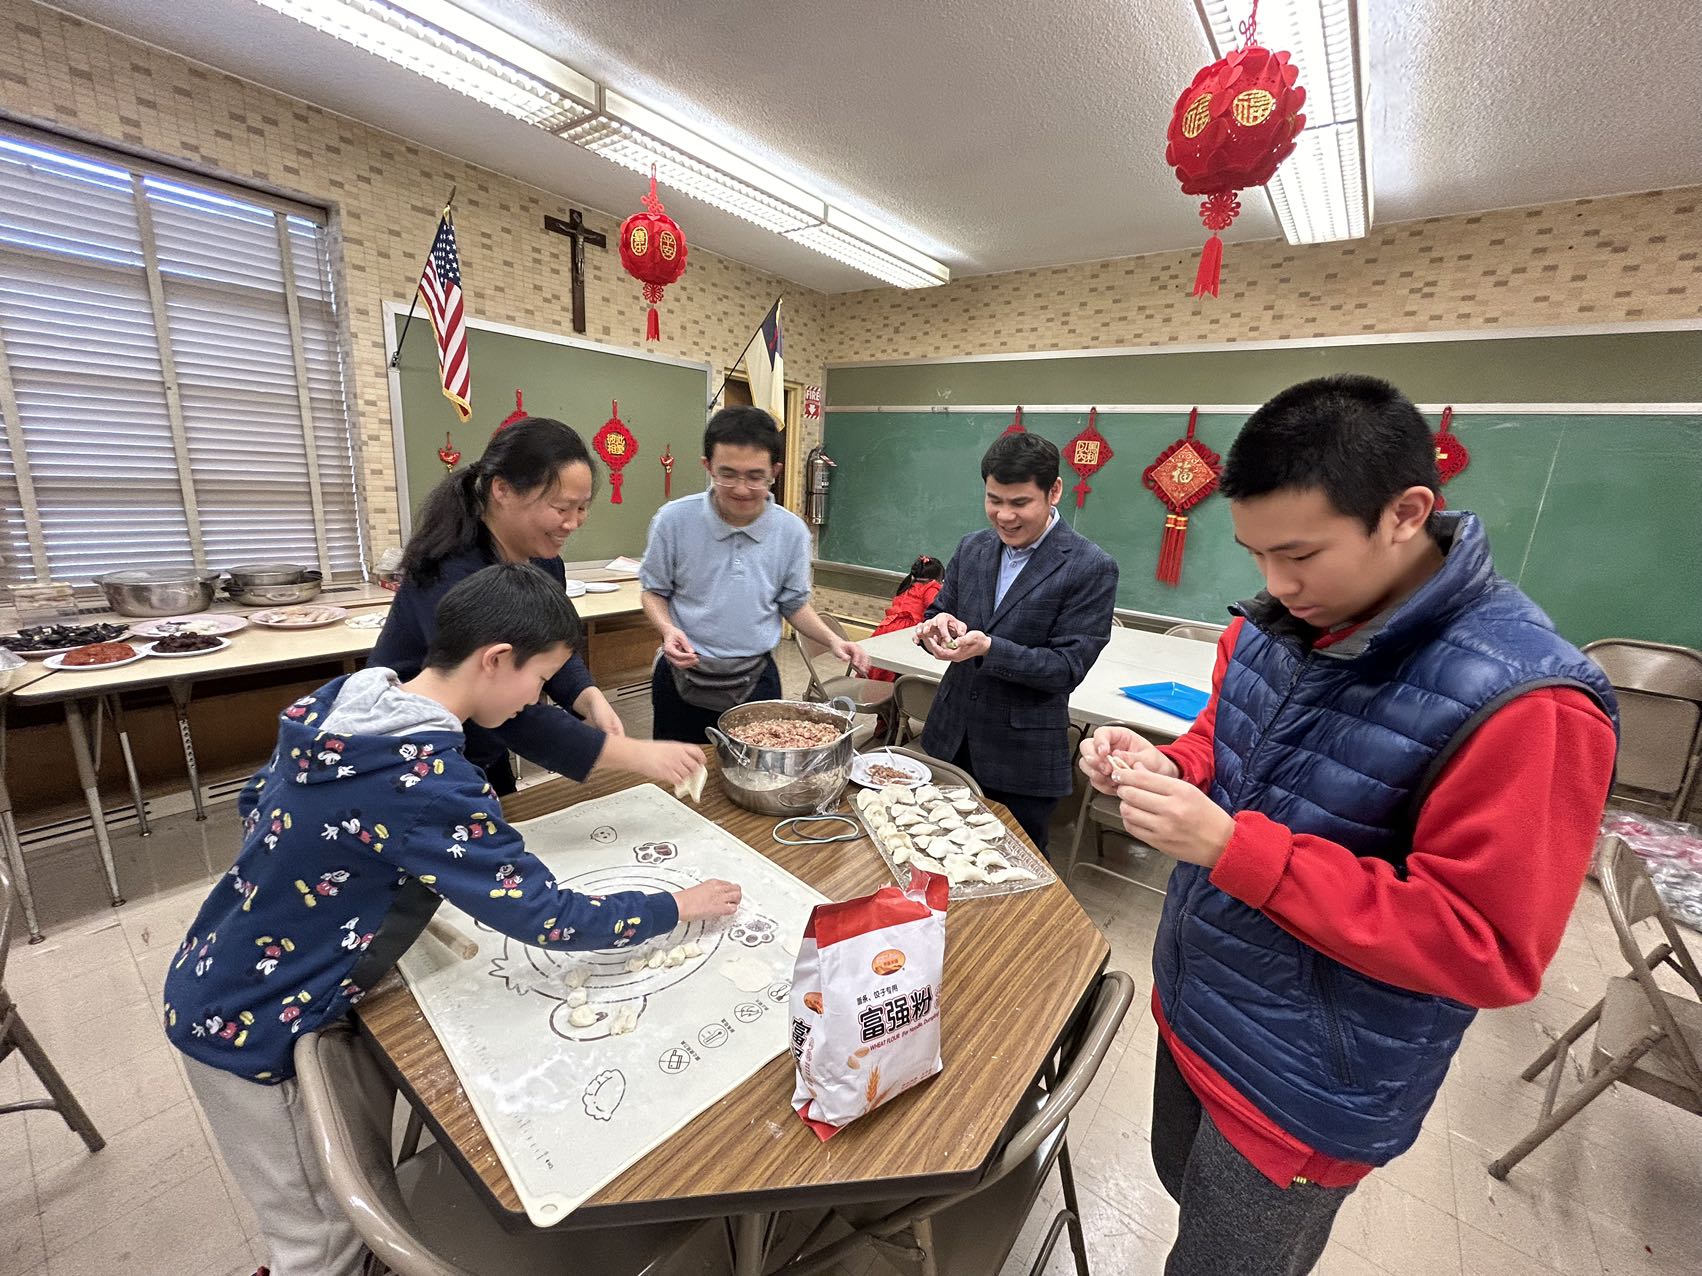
1176	698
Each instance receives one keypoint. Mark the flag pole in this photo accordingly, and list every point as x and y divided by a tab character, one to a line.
396	358
741	359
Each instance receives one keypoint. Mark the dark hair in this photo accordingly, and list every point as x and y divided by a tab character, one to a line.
1022	458
924	568
743	427
1357	439
527	455
515	603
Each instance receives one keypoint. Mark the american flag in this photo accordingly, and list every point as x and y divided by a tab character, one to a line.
440	289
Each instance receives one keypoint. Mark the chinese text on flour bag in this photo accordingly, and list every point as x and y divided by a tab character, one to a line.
866	1001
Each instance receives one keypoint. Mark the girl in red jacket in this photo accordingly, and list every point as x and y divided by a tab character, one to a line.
910	604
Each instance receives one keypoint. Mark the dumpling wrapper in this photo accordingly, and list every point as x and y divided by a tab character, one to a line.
692	785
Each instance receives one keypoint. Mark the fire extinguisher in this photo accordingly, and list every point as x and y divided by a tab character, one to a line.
816	467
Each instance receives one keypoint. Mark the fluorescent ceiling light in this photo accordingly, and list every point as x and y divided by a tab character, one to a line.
452	47
636	137
871	250
1322	192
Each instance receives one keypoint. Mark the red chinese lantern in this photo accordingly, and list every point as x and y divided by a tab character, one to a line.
1088	454
653	250
616	445
1230	130
1451	454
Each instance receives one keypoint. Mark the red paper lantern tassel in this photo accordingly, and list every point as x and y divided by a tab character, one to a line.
1170	553
1211	267
1081	490
653	332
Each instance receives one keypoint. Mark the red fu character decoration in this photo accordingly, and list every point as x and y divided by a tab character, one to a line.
1088	453
1230	130
1185	474
1451	454
615	444
653	250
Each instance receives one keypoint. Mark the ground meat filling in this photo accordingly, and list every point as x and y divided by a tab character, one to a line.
785	733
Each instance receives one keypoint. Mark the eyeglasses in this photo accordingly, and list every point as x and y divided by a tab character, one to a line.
764	483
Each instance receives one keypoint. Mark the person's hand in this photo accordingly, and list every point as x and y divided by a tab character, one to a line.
595	708
853	655
714	898
1112	749
1174	816
943	628
677	649
669	762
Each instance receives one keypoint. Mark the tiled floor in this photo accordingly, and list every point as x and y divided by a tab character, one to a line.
1616	1192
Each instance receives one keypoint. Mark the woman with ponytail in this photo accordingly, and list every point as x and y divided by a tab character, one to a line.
517	503
910	603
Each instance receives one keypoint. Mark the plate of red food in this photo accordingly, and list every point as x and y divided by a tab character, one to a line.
177	646
98	655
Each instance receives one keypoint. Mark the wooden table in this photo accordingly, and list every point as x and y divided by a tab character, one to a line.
1132	657
1018	969
251	650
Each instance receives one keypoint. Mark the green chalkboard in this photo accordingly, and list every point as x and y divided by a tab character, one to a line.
662	403
1594	515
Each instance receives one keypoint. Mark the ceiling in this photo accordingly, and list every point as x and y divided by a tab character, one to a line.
999	135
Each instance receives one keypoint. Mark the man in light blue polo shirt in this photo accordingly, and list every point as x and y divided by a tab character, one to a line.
721	570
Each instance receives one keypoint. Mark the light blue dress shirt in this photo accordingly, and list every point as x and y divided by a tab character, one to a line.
1012	561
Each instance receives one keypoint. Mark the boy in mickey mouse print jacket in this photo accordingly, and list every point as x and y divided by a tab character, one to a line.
368	815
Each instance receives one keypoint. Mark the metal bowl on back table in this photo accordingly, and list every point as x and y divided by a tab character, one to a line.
785	781
158	592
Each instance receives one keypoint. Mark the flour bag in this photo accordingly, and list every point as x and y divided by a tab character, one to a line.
866	1001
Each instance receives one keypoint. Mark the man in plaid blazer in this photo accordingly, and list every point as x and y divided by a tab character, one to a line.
1024	613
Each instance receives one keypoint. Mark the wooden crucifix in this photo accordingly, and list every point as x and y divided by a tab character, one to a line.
574	228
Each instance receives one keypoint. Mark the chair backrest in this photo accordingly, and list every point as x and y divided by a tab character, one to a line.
944	772
914	694
1660	714
1631	898
1199	631
349	1102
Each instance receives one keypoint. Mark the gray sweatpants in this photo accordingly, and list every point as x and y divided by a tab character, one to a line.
1235	1221
263	1135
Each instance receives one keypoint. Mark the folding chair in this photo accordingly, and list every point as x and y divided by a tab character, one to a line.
1101	813
972	1233
14	1035
871	696
1647	1037
1660	720
421	1217
912	698
1202	632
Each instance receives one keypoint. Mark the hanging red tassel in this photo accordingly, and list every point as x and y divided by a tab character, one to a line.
1016	426
1171	550
653	325
1211	267
1184	474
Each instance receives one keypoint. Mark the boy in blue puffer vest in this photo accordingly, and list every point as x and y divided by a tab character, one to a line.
1381	820
368	815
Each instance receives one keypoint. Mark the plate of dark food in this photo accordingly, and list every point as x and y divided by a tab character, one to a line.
180	645
40	641
98	655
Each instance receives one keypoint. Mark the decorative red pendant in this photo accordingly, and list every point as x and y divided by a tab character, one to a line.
616	445
1184	474
519	413
653	250
667	471
1088	453
1230	130
1451	455
1016	426
447	453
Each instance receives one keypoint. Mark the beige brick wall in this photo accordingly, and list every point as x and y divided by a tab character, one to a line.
61	73
1631	257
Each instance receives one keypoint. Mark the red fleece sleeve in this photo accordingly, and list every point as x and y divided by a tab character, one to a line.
1192	750
1498	855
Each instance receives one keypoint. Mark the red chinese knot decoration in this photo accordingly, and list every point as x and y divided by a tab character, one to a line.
519	414
448	453
653	251
667	459
1230	130
1185	474
1016	426
616	445
1088	453
1451	454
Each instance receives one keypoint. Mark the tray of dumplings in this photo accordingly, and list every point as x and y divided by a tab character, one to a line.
947	831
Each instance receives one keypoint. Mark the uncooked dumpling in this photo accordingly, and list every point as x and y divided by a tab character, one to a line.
927	863
676	956
991	859
954	794
966	806
923	830
907	816
928	794
961	836
901	854
576	998
692	950
983	820
626	1019
635	964
1012	874
939	810
657	959
582	1017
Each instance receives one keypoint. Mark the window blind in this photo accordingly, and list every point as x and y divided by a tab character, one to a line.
170	375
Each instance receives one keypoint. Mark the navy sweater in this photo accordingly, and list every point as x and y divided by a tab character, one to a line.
549	736
350	842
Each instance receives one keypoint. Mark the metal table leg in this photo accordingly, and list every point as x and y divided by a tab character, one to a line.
180	693
750	1243
9	838
78	728
116	707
